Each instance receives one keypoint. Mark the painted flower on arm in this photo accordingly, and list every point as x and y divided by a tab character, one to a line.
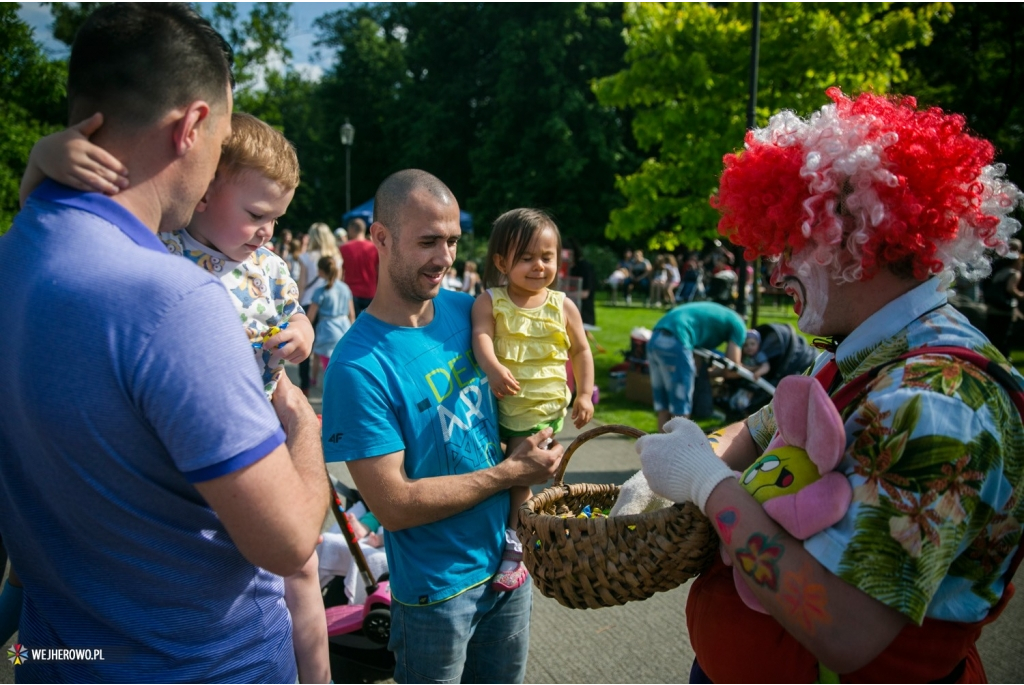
805	600
759	560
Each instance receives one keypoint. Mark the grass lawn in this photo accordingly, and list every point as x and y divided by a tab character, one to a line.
616	322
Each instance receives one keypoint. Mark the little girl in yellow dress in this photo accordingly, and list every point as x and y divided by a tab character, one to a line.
523	335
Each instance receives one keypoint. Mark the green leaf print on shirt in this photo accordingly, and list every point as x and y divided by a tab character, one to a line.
901	550
870	357
949	376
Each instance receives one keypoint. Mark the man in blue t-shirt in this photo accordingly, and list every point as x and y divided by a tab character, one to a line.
670	352
146	479
409	410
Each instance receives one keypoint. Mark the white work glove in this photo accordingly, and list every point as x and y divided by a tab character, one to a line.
679	464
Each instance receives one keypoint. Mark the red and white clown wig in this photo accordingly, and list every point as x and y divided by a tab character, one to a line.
893	186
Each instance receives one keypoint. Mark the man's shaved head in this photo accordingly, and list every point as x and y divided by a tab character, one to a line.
393	193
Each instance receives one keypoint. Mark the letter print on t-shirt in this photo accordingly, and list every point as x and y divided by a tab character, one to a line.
455	394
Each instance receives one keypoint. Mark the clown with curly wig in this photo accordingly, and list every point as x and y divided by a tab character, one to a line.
870	207
866	185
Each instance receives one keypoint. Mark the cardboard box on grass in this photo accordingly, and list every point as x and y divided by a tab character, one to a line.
638	384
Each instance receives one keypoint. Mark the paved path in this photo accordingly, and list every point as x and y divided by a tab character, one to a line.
647	642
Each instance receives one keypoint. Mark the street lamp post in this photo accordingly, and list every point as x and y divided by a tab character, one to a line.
755	51
348	136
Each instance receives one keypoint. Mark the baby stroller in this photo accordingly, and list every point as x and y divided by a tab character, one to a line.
358	633
788	354
735	397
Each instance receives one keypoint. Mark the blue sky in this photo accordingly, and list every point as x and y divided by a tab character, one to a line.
300	41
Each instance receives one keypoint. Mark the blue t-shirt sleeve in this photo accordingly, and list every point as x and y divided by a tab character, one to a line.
359	420
198	385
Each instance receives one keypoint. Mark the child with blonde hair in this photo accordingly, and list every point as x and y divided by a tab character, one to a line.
333	307
523	334
255	182
321	244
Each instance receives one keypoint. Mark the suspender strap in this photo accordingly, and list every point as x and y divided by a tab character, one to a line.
999	374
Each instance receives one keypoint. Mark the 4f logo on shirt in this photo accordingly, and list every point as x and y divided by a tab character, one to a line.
335	438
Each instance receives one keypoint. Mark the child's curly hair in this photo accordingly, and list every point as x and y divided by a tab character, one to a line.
255	145
901	188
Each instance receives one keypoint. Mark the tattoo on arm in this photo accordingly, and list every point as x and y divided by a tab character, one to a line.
726	520
804	600
760	560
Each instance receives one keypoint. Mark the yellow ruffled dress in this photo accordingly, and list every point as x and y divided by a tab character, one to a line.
534	346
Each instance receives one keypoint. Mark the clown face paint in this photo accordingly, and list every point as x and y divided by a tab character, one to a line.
808	283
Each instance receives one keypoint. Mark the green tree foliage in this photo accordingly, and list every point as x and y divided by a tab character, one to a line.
268	87
32	103
494	99
975	65
686	78
67	17
545	141
260	45
365	87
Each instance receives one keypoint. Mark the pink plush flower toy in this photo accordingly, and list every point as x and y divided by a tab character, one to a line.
795	479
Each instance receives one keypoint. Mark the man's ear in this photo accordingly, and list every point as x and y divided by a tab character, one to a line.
186	127
379	234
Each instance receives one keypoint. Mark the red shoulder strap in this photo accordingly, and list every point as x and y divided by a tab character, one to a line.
1013	388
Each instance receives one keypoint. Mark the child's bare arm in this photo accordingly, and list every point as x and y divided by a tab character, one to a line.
761	370
294	343
69	157
501	380
582	364
309	623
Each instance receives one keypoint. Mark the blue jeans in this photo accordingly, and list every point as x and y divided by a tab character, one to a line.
672	374
480	636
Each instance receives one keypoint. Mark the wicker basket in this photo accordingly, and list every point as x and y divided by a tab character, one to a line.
590	563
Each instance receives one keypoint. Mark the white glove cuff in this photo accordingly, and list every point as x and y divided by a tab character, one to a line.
708	485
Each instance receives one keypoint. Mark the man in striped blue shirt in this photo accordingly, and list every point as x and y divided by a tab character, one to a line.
146	480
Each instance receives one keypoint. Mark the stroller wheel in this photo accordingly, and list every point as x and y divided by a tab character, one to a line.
377	625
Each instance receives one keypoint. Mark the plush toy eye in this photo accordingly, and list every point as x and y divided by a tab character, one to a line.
765	464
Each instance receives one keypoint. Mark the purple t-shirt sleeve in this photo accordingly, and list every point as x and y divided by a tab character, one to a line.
198	384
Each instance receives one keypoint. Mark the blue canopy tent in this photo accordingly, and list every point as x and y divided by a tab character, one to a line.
365	212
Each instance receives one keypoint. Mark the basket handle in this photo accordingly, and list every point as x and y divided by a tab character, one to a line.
589	435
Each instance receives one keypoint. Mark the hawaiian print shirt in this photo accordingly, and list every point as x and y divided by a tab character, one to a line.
935	455
261	288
